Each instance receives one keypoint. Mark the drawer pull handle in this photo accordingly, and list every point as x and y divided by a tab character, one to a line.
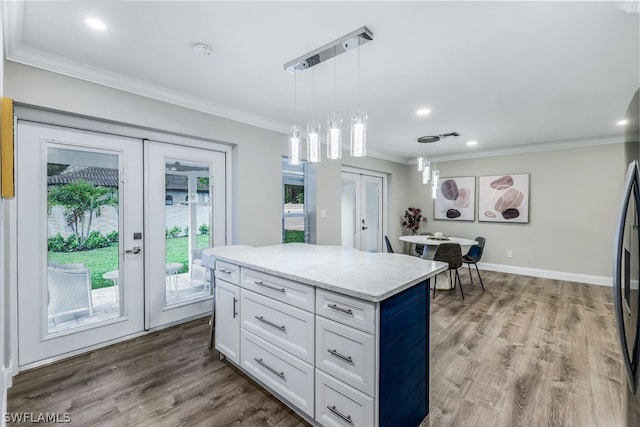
269	368
340	309
333	409
340	356
273	288
222	270
263	320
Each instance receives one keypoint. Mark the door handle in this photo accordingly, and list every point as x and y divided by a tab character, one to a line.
364	228
135	250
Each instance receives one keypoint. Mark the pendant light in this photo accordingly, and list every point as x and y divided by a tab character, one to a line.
420	162
434	183
359	123
313	128
334	124
426	172
294	133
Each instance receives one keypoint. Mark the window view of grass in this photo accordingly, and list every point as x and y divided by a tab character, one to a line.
293	236
101	260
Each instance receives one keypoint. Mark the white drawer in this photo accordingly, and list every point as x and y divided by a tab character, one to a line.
340	405
228	272
294	293
285	326
284	374
346	353
344	309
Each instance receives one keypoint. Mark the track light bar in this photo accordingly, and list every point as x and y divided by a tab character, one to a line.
328	51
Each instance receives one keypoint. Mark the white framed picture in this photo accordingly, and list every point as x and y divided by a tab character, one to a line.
455	199
504	198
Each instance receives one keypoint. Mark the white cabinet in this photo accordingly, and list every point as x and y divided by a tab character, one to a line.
335	359
227	330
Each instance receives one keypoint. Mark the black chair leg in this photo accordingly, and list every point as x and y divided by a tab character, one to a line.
460	283
479	277
435	283
470	277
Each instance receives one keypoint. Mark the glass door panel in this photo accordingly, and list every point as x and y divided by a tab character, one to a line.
83	245
188	221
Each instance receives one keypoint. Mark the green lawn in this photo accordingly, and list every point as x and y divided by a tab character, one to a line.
99	261
293	236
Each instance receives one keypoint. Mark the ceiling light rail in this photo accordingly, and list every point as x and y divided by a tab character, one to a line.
350	41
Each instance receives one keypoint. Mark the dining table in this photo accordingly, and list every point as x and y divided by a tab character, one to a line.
431	244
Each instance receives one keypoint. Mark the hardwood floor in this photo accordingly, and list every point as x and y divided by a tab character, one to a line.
526	352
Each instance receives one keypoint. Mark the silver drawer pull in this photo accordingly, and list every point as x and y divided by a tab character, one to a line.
340	309
341	356
273	288
333	409
262	319
222	270
269	368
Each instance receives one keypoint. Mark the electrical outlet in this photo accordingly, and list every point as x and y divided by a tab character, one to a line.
509	254
323	213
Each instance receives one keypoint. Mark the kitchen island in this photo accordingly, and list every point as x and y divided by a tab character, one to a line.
341	336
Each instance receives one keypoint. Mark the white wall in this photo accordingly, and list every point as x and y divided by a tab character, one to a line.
574	197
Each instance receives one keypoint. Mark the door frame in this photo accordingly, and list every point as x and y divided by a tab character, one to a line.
385	192
41	115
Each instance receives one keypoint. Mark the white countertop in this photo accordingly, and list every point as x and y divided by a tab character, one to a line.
369	276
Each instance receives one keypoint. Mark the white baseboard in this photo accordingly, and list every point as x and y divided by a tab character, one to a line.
548	274
7	375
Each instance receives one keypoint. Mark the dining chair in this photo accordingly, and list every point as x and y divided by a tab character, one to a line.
451	253
388	243
473	257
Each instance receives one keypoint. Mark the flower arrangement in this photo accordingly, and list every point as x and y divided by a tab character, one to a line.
412	219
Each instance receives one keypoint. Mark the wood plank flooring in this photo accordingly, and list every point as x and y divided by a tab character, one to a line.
526	352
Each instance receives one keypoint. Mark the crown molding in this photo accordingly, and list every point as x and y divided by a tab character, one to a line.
529	148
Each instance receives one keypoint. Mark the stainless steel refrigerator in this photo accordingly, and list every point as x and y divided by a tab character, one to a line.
626	268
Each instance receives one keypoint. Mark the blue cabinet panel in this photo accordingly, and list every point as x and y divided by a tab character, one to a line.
404	357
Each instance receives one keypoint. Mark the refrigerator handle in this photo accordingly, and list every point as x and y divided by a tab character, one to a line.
631	189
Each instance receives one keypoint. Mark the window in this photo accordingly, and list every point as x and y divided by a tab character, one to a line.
295	219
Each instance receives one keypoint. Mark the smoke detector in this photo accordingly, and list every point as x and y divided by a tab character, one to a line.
435	138
202	49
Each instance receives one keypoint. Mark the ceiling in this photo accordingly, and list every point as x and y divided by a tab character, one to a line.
514	76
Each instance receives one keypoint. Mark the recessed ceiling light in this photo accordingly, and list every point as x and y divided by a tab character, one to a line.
423	112
622	122
472	143
96	24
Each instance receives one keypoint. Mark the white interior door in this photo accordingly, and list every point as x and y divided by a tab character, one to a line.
362	226
80	263
185	205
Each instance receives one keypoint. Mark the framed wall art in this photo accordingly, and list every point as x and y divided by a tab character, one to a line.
504	198
455	199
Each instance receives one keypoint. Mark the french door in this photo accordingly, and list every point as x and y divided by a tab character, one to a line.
110	232
80	264
362	226
185	214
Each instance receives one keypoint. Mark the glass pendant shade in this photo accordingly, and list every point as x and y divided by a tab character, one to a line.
434	183
313	141
294	145
420	162
334	137
426	172
359	134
